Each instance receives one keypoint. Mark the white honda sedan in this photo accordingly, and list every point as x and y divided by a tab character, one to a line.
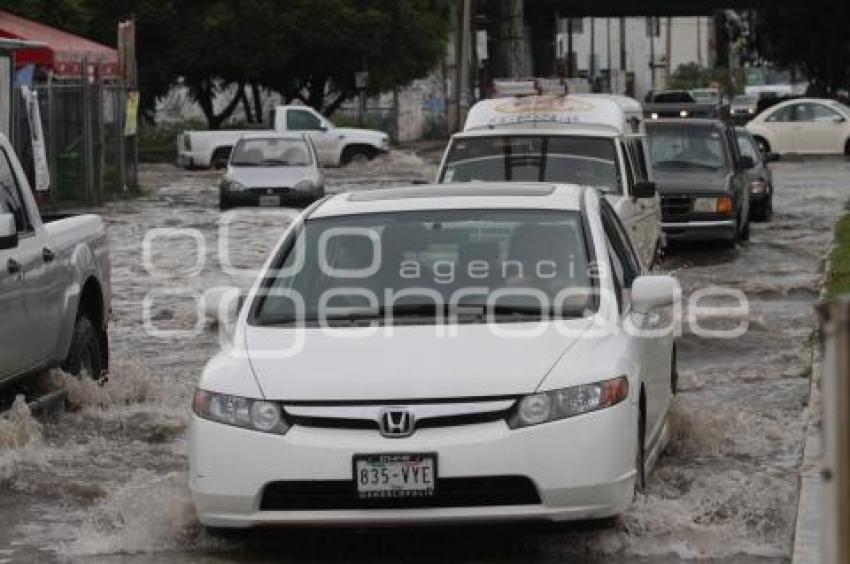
439	354
803	125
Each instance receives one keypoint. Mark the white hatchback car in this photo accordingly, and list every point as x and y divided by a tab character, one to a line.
803	125
439	354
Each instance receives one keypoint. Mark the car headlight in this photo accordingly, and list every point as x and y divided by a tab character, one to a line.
683	113
232	186
305	186
258	415
713	205
751	110
543	407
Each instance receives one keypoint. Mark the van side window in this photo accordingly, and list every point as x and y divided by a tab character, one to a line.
11	199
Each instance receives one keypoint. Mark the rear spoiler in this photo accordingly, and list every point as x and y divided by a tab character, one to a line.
657	111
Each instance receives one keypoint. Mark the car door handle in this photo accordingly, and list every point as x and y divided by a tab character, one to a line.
47	254
13	266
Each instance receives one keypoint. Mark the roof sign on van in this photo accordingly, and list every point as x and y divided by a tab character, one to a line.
551	109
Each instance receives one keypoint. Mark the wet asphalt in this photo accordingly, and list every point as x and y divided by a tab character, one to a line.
106	481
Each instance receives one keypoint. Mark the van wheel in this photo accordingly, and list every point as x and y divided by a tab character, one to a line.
85	359
220	157
640	455
357	154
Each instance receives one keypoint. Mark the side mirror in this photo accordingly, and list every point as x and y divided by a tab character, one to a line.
654	292
644	189
746	162
221	305
8	231
838	119
772	157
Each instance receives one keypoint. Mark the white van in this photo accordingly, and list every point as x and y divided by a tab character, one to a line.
588	139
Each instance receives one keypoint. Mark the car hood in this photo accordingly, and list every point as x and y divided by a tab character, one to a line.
271	177
412	363
371	135
691	180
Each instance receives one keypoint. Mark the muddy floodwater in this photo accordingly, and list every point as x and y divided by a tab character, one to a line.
106	481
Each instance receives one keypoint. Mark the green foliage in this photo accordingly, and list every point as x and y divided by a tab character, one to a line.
809	35
157	144
838	277
691	75
70	15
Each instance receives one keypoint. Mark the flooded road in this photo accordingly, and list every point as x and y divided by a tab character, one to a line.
106	482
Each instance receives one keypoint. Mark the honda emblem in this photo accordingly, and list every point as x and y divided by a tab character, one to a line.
396	422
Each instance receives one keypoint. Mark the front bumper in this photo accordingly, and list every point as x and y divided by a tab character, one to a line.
581	467
700	230
251	197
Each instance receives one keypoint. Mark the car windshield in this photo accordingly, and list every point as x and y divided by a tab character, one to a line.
271	152
674	98
590	161
680	145
418	267
706	96
744	100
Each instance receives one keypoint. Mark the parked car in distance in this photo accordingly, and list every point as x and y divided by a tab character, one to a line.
54	284
710	96
590	139
803	125
760	176
270	169
703	180
408	424
743	108
336	146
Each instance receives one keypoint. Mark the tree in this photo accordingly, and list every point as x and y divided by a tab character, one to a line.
811	36
70	15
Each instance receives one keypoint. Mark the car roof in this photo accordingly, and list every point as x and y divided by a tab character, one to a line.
467	195
616	112
273	135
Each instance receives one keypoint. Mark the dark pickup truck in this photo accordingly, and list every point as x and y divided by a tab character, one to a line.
702	178
676	104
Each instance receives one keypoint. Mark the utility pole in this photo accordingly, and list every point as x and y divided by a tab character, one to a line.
592	65
608	52
652	27
669	50
570	69
623	43
699	41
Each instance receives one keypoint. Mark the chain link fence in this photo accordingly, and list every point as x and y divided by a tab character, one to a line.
89	157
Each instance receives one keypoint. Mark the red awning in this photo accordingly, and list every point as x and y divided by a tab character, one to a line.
64	53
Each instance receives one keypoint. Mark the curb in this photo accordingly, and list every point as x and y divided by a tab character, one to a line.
808	531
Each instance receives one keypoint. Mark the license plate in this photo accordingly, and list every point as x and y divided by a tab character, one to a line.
270	201
395	475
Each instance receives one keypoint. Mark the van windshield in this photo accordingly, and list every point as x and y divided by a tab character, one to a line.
588	161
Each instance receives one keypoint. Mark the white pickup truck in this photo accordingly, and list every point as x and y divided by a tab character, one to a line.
336	146
54	284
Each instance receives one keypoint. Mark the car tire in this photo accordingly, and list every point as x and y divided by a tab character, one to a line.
847	148
640	454
764	212
85	357
357	153
219	158
224	204
762	144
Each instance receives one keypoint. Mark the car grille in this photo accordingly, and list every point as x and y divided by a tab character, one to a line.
372	425
676	208
274	190
487	491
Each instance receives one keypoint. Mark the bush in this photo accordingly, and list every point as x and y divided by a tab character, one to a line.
159	143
